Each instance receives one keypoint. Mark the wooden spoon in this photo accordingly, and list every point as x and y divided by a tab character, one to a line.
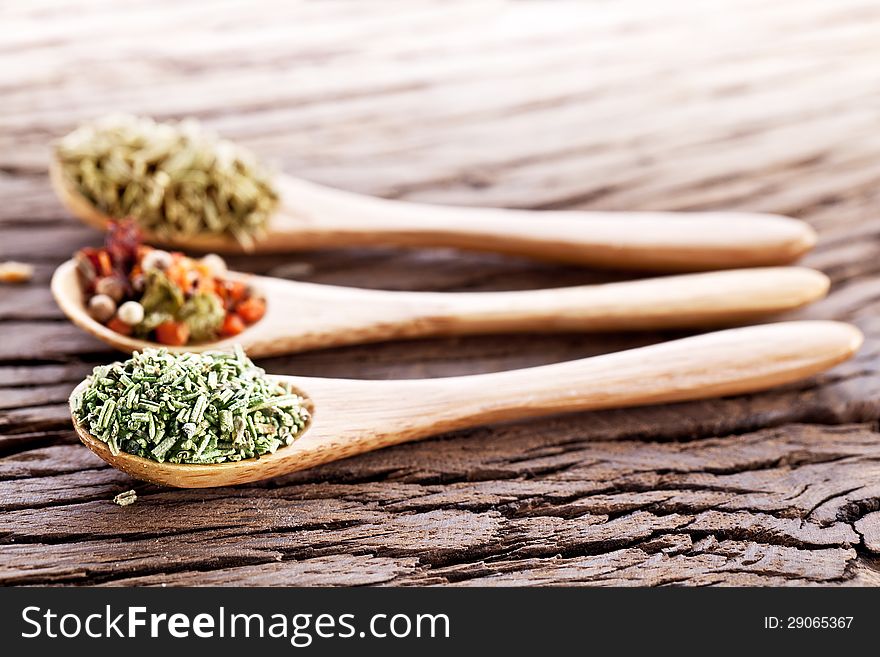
313	216
304	316
351	417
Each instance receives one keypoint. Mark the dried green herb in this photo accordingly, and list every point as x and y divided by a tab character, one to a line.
189	408
203	314
126	498
160	294
174	178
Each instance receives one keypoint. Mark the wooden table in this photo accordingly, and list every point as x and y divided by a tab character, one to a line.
729	104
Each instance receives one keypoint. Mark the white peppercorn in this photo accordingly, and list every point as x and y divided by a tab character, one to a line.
215	264
102	308
131	312
156	259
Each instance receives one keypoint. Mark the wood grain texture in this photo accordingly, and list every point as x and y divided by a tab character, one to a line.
725	105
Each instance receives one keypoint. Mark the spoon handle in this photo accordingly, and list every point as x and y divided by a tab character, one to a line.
359	416
717	364
304	316
315	216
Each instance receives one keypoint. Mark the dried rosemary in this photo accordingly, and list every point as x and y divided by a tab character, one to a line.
189	408
174	178
126	498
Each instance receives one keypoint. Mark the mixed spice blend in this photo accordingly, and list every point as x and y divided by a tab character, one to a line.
164	297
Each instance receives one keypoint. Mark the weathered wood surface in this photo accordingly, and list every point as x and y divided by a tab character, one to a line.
738	104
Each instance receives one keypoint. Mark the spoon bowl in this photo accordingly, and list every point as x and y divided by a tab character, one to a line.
84	210
312	216
302	316
351	417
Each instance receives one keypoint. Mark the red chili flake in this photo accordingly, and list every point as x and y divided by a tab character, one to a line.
122	241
